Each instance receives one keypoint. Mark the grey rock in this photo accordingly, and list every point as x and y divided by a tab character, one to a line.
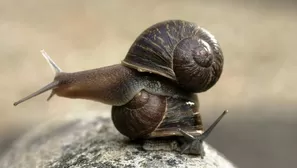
95	143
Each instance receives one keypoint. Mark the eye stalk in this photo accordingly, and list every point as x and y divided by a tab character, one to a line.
50	86
52	64
42	90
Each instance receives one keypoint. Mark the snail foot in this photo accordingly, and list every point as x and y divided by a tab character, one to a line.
160	144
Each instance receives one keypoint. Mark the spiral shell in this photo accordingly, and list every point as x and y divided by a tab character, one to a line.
178	50
140	116
148	115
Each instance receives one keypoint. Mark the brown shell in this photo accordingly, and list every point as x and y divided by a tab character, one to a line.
149	116
178	50
140	116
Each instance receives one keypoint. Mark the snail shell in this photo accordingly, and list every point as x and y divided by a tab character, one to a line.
178	50
148	116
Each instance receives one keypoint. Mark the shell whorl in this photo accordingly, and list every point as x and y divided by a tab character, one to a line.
140	116
148	115
179	50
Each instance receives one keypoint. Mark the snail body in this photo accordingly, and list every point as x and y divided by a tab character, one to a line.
113	85
153	90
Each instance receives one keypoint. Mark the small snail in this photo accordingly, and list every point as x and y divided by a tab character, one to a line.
153	90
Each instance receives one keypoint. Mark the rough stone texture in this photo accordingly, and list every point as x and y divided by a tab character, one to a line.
83	143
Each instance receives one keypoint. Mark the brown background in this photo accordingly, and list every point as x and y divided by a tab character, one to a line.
258	84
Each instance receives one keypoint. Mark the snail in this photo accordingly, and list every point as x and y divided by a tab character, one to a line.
153	91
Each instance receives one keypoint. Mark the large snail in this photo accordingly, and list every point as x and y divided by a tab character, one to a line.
153	90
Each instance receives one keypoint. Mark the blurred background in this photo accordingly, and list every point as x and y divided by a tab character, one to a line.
258	84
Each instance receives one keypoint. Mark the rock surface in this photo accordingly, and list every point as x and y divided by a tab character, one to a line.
95	143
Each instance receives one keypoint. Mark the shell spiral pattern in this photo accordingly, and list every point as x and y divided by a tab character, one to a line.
180	51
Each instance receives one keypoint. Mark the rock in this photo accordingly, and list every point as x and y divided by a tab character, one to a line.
95	143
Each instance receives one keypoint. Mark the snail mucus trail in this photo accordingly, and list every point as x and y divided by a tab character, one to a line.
153	90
